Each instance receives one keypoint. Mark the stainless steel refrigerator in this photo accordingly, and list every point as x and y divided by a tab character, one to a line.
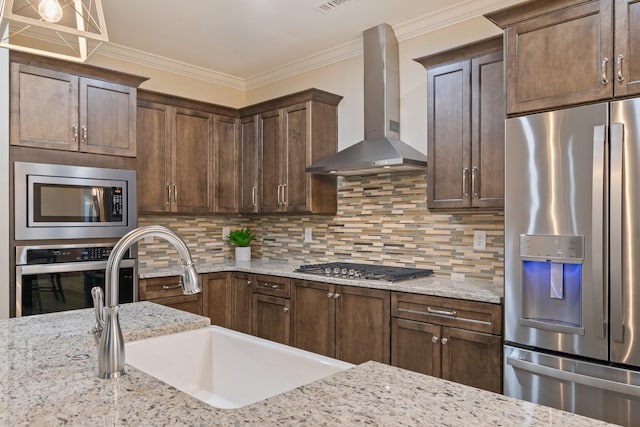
572	260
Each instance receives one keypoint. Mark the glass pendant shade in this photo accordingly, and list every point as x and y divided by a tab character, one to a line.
50	10
64	29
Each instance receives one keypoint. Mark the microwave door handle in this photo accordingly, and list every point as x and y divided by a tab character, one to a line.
616	231
598	206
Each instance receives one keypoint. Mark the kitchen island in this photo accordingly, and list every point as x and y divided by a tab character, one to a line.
48	378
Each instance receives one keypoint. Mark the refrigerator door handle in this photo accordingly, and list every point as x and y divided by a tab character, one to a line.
561	375
597	232
615	231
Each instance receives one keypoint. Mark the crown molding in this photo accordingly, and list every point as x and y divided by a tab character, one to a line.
116	51
414	28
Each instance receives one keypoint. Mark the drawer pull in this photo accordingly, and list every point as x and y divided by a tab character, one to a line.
330	295
170	286
442	312
444	341
435	340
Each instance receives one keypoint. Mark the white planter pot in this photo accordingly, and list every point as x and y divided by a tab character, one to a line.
243	253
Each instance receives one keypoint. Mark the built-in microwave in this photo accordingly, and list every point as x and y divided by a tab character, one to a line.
72	202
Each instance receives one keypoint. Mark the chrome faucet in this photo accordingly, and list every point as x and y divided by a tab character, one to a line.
107	329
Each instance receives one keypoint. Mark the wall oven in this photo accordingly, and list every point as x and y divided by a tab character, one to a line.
73	202
52	278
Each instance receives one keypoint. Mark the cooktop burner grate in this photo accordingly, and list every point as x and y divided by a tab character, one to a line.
364	271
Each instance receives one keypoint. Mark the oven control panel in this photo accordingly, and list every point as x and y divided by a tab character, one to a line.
26	255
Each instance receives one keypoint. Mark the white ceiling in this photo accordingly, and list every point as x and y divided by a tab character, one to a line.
241	40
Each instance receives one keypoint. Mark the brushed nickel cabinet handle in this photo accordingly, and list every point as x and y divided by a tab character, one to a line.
620	77
284	194
336	295
248	282
465	187
279	200
451	313
330	295
170	286
85	134
444	341
285	309
474	174
253	196
75	133
435	340
604	78
175	194
168	194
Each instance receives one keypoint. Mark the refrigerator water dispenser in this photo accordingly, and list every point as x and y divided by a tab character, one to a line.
552	282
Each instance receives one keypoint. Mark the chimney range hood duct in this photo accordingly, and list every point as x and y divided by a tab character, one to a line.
382	150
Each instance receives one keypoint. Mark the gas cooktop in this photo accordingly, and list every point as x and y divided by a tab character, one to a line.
364	271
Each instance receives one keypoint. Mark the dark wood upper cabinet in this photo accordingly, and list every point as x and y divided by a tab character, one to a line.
227	163
569	52
154	151
188	158
286	135
465	127
249	178
60	106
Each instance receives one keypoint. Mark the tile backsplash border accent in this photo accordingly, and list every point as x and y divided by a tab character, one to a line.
381	219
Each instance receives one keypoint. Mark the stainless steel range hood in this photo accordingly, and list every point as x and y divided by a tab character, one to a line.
381	150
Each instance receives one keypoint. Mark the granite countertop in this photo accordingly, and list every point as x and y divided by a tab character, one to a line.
48	377
467	289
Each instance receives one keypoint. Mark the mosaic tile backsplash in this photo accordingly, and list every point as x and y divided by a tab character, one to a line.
381	219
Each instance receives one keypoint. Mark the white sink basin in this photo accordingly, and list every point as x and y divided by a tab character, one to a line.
228	369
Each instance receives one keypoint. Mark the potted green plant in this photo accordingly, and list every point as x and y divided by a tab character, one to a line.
241	239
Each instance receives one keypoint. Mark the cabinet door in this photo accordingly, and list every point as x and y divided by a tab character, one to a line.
472	358
297	144
217	299
243	285
416	346
154	157
227	164
449	136
193	159
560	58
363	325
107	118
487	131
44	108
627	55
271	135
313	317
271	318
249	165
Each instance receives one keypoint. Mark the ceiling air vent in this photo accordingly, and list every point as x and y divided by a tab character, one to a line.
331	5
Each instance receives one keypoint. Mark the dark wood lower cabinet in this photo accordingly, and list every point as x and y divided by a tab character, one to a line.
271	318
167	291
242	297
416	346
216	299
472	358
428	337
345	322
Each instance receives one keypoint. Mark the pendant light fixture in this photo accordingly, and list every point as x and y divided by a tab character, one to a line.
65	29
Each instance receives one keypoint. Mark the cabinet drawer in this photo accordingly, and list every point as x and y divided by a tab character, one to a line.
469	315
159	287
272	285
190	303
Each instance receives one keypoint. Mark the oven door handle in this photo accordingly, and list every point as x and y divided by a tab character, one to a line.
69	267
